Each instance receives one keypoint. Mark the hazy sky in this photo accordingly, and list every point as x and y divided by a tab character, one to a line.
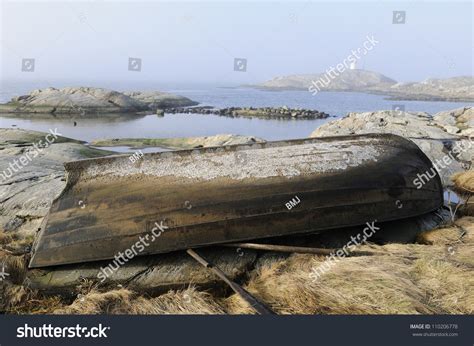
196	42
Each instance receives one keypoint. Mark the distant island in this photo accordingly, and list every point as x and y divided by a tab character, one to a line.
460	89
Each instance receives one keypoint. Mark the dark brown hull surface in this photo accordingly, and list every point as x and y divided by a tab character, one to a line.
234	193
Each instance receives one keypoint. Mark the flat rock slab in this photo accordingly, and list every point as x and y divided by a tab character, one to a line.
27	190
150	274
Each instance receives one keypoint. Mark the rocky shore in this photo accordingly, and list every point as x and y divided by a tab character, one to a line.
251	112
26	191
429	132
396	280
85	101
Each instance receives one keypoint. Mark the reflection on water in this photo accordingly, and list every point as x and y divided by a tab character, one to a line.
170	125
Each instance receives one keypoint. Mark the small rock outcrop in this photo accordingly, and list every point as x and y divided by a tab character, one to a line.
459	121
251	112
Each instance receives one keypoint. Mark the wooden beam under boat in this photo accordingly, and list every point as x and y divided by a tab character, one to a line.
192	198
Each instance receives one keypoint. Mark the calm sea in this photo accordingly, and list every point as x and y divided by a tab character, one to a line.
185	125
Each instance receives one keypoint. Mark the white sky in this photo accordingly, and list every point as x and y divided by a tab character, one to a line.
196	42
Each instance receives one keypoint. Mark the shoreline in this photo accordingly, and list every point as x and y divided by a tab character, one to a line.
389	95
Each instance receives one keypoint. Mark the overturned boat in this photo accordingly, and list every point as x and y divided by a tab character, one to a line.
191	198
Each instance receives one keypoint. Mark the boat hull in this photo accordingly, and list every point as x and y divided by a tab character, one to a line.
192	198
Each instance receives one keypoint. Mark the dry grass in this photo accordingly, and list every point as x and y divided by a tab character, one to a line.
439	236
357	285
464	186
5	238
189	301
15	296
468	208
123	301
447	275
15	266
466	224
18	299
14	242
436	278
111	302
464	181
414	279
447	285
